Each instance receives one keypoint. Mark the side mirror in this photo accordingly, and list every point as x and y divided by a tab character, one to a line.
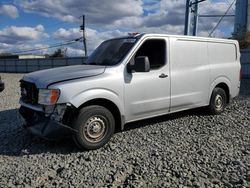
141	64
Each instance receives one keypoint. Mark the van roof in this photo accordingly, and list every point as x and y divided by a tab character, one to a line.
187	37
144	35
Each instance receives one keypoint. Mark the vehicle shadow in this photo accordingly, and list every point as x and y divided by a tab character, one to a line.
164	118
17	141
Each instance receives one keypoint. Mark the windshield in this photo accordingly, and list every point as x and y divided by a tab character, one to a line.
111	52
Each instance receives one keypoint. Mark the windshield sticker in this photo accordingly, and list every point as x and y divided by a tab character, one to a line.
129	40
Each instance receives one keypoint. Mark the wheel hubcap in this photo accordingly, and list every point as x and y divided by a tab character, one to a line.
218	102
94	129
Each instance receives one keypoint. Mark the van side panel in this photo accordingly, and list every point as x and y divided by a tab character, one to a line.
224	65
189	74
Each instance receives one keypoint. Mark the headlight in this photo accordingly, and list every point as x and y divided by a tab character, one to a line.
48	96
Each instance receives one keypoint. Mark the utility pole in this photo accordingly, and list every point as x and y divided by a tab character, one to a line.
195	27
192	6
187	18
82	27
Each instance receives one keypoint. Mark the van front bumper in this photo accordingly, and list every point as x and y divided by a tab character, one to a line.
38	124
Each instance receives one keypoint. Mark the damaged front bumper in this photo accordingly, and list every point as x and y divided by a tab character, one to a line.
52	123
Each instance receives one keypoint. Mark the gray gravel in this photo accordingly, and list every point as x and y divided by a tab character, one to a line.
188	149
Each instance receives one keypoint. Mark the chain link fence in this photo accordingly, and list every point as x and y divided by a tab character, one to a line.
30	65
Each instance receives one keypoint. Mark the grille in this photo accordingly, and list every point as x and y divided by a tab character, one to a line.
29	92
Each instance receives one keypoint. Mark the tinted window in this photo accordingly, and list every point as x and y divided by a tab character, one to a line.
155	51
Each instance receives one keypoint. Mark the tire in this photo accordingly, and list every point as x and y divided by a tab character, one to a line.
94	127
218	101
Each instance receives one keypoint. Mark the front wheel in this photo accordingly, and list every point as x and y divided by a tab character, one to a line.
218	101
95	126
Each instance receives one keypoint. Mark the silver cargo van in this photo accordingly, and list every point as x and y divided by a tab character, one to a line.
128	79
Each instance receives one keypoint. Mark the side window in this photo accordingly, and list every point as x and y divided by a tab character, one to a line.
155	50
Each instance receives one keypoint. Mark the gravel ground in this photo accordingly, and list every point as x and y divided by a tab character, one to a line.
188	149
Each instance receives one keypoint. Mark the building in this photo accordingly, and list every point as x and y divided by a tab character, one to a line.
242	18
21	56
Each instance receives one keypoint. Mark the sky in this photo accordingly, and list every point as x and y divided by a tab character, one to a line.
35	24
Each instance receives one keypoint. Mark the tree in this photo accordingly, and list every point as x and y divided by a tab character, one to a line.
244	41
5	54
58	53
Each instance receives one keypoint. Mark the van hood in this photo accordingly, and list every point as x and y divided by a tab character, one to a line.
45	78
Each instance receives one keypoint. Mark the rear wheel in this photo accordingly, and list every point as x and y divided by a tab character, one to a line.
218	101
95	126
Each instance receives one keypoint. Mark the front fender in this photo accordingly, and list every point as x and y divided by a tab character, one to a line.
92	94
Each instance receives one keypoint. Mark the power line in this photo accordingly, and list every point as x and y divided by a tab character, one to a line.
196	2
221	19
52	46
195	14
232	9
217	15
209	3
205	26
214	16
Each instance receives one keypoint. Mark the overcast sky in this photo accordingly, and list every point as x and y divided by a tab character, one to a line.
29	24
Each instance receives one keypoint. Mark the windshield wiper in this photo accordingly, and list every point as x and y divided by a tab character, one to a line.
92	63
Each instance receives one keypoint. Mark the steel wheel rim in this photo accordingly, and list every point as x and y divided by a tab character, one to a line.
218	102
94	129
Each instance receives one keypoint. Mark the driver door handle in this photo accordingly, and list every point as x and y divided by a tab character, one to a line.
163	75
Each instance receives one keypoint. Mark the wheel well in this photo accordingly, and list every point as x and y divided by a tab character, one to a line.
110	106
225	88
